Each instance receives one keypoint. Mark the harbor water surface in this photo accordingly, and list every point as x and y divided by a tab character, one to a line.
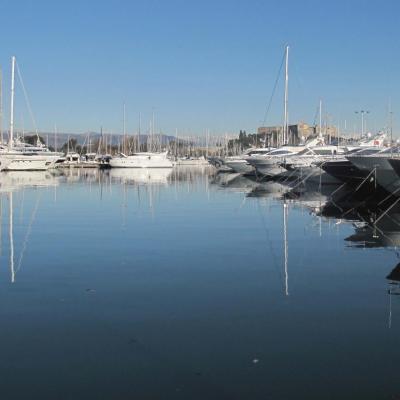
180	284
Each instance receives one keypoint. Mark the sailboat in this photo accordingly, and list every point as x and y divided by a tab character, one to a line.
270	164
22	157
147	159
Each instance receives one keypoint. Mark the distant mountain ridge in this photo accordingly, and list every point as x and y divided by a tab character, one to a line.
82	138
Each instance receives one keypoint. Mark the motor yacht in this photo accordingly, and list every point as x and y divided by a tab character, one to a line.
141	160
379	167
306	165
272	163
20	156
344	170
240	163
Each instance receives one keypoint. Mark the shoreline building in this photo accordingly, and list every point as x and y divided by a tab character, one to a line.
297	133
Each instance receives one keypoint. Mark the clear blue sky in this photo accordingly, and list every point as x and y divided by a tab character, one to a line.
199	64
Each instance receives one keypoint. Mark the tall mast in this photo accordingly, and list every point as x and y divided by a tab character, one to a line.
153	129
1	106
100	140
176	143
140	131
285	123
10	141
124	146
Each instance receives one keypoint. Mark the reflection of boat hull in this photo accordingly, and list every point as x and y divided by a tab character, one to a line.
367	236
13	180
314	174
311	195
273	190
235	182
141	175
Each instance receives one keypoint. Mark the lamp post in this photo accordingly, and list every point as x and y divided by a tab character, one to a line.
390	122
362	112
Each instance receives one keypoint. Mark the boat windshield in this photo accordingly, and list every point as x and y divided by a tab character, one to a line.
305	152
324	152
391	150
366	152
280	152
259	151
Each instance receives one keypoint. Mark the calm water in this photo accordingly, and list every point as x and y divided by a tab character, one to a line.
183	285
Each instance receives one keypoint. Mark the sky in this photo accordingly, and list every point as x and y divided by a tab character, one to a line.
199	65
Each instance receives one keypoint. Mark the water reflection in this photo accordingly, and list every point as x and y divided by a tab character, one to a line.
140	176
394	280
234	182
161	264
374	217
83	175
375	224
16	180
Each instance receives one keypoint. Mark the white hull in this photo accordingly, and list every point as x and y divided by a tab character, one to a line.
270	165
4	163
240	166
269	168
142	160
21	162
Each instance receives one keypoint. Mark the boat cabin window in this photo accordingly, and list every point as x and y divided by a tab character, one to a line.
263	151
280	152
366	152
324	152
305	152
391	150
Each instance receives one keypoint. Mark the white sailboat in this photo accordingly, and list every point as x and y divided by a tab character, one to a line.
23	158
270	164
